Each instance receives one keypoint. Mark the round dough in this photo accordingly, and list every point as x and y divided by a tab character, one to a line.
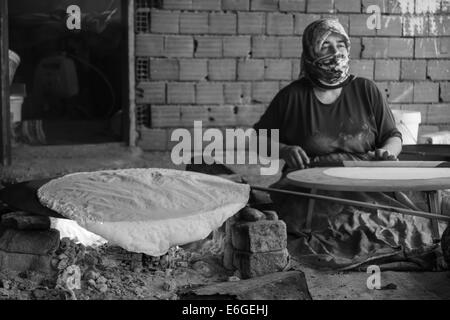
388	173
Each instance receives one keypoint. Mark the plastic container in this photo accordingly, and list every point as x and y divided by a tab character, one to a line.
14	61
15	103
407	123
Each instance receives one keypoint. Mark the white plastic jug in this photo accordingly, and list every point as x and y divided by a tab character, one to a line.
407	123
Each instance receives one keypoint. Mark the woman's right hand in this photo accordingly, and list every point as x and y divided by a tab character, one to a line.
294	156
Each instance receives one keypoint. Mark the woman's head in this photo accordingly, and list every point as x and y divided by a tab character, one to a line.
325	56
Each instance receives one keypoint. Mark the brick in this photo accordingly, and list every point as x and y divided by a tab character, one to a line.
179	46
413	70
401	48
21	262
222	69
321	6
248	115
221	116
236	46
390	26
401	92
422	108
208	5
444	91
194	22
291	47
415	26
180	93
277	69
439	25
438	113
426	7
264	5
387	70
280	24
265	47
264	92
295	69
362	68
439	69
432	48
222	23
236	5
24	221
208	47
348	6
164	21
193	69
375	47
302	20
209	93
152	139
426	92
163	116
149	45
384	5
164	69
251	69
358	26
355	48
38	242
177	4
189	114
257	264
251	22
292	5
259	236
384	88
152	92
237	92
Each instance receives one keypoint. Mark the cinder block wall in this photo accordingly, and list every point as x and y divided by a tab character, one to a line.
222	61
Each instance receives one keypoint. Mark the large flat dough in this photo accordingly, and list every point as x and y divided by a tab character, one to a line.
388	173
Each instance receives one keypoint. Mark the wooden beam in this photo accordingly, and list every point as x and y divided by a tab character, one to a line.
5	120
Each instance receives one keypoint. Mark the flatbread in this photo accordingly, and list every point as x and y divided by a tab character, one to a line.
388	173
145	210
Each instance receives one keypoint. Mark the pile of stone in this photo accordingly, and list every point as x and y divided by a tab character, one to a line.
255	243
27	243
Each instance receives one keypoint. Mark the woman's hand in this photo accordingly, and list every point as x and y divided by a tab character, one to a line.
294	156
382	154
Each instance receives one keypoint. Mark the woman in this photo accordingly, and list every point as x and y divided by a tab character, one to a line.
329	115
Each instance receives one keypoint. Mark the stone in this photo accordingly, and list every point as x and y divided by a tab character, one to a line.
258	264
102	288
39	293
36	242
169	285
259	236
271	215
203	268
24	221
251	214
21	262
91	274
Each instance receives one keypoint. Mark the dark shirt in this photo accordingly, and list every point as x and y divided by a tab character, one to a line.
359	121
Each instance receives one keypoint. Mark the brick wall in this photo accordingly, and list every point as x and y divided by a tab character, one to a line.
222	61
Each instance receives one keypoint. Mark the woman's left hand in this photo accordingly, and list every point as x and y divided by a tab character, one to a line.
382	154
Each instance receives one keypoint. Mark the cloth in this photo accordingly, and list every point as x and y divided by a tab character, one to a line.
330	70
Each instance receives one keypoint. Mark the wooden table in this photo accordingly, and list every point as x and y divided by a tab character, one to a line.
317	179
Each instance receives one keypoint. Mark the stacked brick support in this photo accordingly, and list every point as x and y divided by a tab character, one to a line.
222	61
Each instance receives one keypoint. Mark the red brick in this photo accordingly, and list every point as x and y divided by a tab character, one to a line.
193	69
164	69
439	69
362	68
251	22
152	139
194	22
439	25
415	26
401	48
189	114
152	92
444	91
426	92
222	69
277	69
177	4
348	6
432	48
209	5
165	116
413	70
375	47
222	23
302	20
280	24
149	45
179	46
237	5
259	236
263	92
358	25
236	46
264	5
322	6
401	92
180	93
248	115
438	113
295	69
237	92
292	5
209	93
265	47
208	47
291	47
387	70
164	21
355	48
251	69
390	26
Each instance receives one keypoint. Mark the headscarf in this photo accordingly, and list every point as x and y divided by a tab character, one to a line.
329	71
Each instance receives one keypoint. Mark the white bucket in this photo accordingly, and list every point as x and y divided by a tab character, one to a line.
15	103
407	123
